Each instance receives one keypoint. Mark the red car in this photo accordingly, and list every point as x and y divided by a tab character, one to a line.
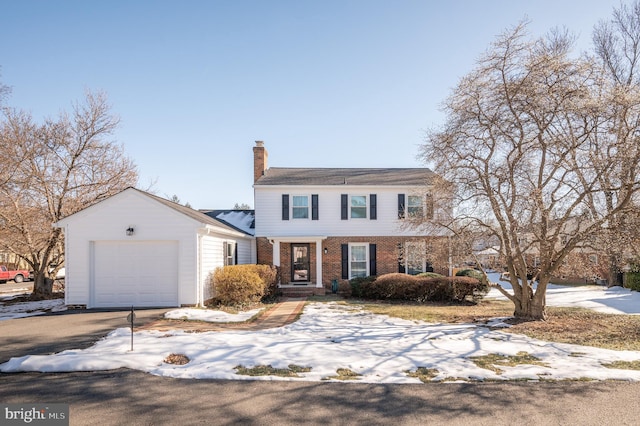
17	276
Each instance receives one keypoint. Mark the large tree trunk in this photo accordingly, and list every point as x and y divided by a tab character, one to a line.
530	310
530	305
42	288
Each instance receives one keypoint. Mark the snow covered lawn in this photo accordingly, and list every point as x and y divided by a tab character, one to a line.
10	310
329	337
332	337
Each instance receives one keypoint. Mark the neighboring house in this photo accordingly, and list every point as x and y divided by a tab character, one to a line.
137	249
324	224
587	263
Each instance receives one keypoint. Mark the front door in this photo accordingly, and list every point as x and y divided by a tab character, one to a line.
300	264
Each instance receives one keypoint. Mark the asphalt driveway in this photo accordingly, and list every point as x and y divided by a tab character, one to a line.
50	333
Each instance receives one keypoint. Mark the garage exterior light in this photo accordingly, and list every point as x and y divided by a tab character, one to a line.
130	231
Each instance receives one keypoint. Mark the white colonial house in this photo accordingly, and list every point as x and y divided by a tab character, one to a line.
137	249
325	225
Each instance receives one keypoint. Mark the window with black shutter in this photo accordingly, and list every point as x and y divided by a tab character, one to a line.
344	248
344	206
400	206
285	206
373	207
373	270
401	267
314	207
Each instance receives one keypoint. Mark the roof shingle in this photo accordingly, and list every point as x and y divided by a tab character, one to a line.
345	176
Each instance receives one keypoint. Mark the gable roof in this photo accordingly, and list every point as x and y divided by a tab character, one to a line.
187	211
345	176
240	220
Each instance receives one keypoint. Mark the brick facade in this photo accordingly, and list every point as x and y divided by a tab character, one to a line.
387	253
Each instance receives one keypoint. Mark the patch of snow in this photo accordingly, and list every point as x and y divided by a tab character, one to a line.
29	309
209	315
613	300
240	219
331	336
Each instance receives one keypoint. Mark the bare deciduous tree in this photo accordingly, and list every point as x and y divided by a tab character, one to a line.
617	47
57	168
534	146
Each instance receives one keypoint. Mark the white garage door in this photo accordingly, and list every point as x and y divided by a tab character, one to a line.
141	273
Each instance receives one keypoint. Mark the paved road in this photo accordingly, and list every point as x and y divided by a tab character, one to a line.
135	398
12	287
125	397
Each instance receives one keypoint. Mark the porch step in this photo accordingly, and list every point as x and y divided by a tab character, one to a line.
302	291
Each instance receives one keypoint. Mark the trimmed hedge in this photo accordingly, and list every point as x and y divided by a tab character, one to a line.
633	281
429	275
398	286
474	273
238	285
359	285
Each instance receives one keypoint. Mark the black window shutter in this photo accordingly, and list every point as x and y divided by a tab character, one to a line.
344	208
314	206
285	206
373	270
373	208
345	261
401	267
400	206
235	254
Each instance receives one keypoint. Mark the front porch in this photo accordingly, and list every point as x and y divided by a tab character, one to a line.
301	290
300	262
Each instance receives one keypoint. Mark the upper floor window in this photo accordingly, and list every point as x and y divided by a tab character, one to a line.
358	206
297	207
300	207
415	206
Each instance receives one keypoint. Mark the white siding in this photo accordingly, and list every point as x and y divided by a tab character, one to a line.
246	251
152	221
211	255
268	204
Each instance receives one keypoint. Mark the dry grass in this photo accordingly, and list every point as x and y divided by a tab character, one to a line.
425	374
564	325
344	374
268	370
492	361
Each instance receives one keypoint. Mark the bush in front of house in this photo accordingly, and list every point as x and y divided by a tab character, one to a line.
429	275
359	285
242	292
633	281
237	285
398	286
270	276
483	288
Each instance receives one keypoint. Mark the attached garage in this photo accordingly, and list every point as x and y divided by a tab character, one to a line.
137	249
140	273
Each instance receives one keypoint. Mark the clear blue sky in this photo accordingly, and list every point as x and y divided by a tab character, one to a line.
325	83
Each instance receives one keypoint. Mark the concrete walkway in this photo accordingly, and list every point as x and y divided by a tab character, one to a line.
281	314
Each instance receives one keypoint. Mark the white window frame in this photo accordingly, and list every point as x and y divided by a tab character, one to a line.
229	253
415	209
294	207
352	260
365	207
411	247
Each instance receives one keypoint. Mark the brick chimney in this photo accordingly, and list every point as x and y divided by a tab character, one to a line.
259	160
